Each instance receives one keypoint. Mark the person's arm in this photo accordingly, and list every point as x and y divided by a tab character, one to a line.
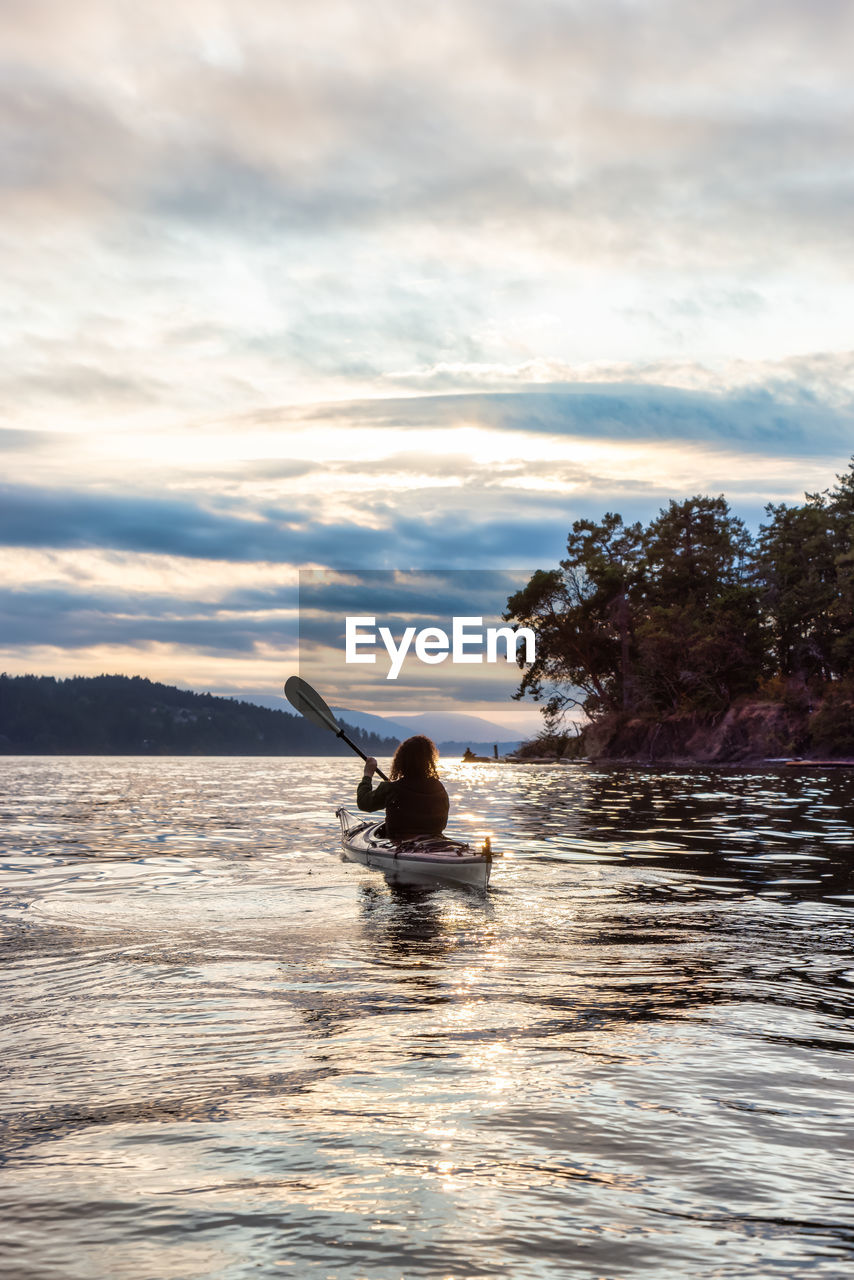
367	799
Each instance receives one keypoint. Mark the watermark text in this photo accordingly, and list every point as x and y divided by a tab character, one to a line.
467	641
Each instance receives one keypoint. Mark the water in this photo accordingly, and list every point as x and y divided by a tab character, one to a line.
228	1053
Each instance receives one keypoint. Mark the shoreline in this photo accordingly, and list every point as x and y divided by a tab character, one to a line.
628	762
752	733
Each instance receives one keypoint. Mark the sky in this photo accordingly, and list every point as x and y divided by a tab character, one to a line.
384	286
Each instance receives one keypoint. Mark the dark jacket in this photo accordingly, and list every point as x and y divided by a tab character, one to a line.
414	807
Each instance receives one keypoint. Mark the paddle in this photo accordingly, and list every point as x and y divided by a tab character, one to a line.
310	704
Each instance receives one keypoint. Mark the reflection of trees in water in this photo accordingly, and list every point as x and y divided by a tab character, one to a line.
661	944
798	823
571	954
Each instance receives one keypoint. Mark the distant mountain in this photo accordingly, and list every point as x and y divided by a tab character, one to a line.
128	715
450	730
454	726
373	724
462	731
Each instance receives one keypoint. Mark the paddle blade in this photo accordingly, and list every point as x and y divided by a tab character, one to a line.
309	703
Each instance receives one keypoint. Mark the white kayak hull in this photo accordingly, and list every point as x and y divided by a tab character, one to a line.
423	858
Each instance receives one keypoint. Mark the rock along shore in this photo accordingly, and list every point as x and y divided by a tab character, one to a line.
747	733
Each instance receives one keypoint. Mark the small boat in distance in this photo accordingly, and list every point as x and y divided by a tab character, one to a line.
421	857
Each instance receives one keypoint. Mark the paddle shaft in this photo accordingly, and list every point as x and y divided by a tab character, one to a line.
358	750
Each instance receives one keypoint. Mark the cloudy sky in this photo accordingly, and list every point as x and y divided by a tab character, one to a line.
383	285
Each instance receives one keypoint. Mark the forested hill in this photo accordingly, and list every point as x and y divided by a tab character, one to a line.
660	634
124	715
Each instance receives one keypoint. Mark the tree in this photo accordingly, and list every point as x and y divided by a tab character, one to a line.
695	657
694	550
583	614
649	621
107	715
841	508
797	572
700	638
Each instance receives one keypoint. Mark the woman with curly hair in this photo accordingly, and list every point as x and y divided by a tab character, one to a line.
414	799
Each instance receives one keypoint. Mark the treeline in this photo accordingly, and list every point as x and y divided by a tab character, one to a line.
128	715
690	613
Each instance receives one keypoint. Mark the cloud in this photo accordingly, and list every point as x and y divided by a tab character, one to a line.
242	622
462	496
76	620
792	422
402	598
18	440
64	381
669	129
56	518
211	211
174	527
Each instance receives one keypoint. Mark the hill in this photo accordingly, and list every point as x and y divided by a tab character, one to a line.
451	731
129	715
385	726
451	726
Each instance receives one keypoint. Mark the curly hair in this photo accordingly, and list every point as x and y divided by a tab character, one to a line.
415	758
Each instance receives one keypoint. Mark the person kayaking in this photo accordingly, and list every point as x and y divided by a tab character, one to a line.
414	799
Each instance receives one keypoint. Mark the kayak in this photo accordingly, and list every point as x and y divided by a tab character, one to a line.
436	857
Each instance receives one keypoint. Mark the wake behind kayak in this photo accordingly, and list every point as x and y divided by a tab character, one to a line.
421	857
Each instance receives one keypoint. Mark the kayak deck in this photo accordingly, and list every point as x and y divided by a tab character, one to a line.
436	857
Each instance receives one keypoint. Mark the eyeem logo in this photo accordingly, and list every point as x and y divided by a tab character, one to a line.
432	644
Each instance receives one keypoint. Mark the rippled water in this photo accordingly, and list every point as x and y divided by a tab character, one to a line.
229	1053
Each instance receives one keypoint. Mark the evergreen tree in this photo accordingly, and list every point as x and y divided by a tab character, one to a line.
646	620
121	715
841	508
797	578
583	615
700	638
